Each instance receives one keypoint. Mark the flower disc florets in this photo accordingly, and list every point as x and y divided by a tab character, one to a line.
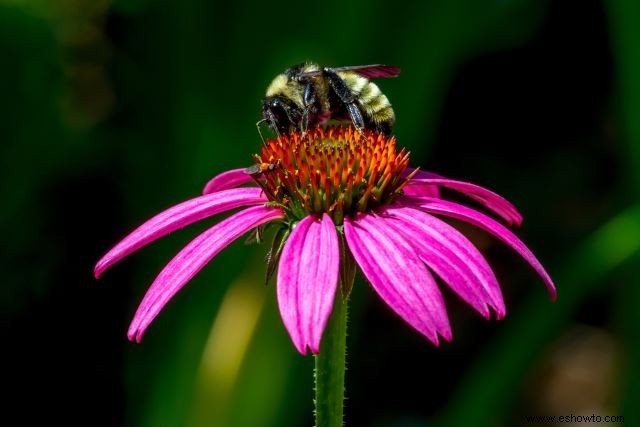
334	170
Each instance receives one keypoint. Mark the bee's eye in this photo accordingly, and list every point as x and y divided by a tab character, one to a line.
275	103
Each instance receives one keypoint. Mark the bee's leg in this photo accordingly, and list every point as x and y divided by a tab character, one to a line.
356	117
304	124
348	98
308	99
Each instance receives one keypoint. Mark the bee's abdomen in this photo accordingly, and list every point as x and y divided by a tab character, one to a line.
376	104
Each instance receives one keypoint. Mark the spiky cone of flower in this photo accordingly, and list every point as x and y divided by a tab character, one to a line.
340	199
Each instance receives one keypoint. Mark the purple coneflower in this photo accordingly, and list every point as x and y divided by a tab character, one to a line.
339	198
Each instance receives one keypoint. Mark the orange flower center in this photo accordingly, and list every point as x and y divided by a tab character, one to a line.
335	170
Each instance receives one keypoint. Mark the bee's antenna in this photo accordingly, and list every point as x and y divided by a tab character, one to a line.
260	131
274	126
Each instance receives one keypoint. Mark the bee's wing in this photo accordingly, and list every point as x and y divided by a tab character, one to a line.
372	71
369	71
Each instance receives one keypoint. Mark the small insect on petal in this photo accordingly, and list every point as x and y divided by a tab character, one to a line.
259	168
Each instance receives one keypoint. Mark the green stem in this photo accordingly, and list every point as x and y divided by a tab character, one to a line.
330	364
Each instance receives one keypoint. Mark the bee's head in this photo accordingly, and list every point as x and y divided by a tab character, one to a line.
280	113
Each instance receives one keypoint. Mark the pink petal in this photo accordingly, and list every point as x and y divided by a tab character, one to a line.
420	190
398	275
177	217
307	280
488	198
192	258
421	184
480	220
452	256
420	174
226	180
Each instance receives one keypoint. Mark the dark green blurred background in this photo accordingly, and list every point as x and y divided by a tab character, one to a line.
111	111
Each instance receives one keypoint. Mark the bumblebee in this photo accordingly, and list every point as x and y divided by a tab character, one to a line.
308	95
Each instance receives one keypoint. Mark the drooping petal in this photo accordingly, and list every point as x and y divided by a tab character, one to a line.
452	256
420	174
491	200
423	190
422	182
192	258
177	217
307	280
398	275
226	180
455	210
